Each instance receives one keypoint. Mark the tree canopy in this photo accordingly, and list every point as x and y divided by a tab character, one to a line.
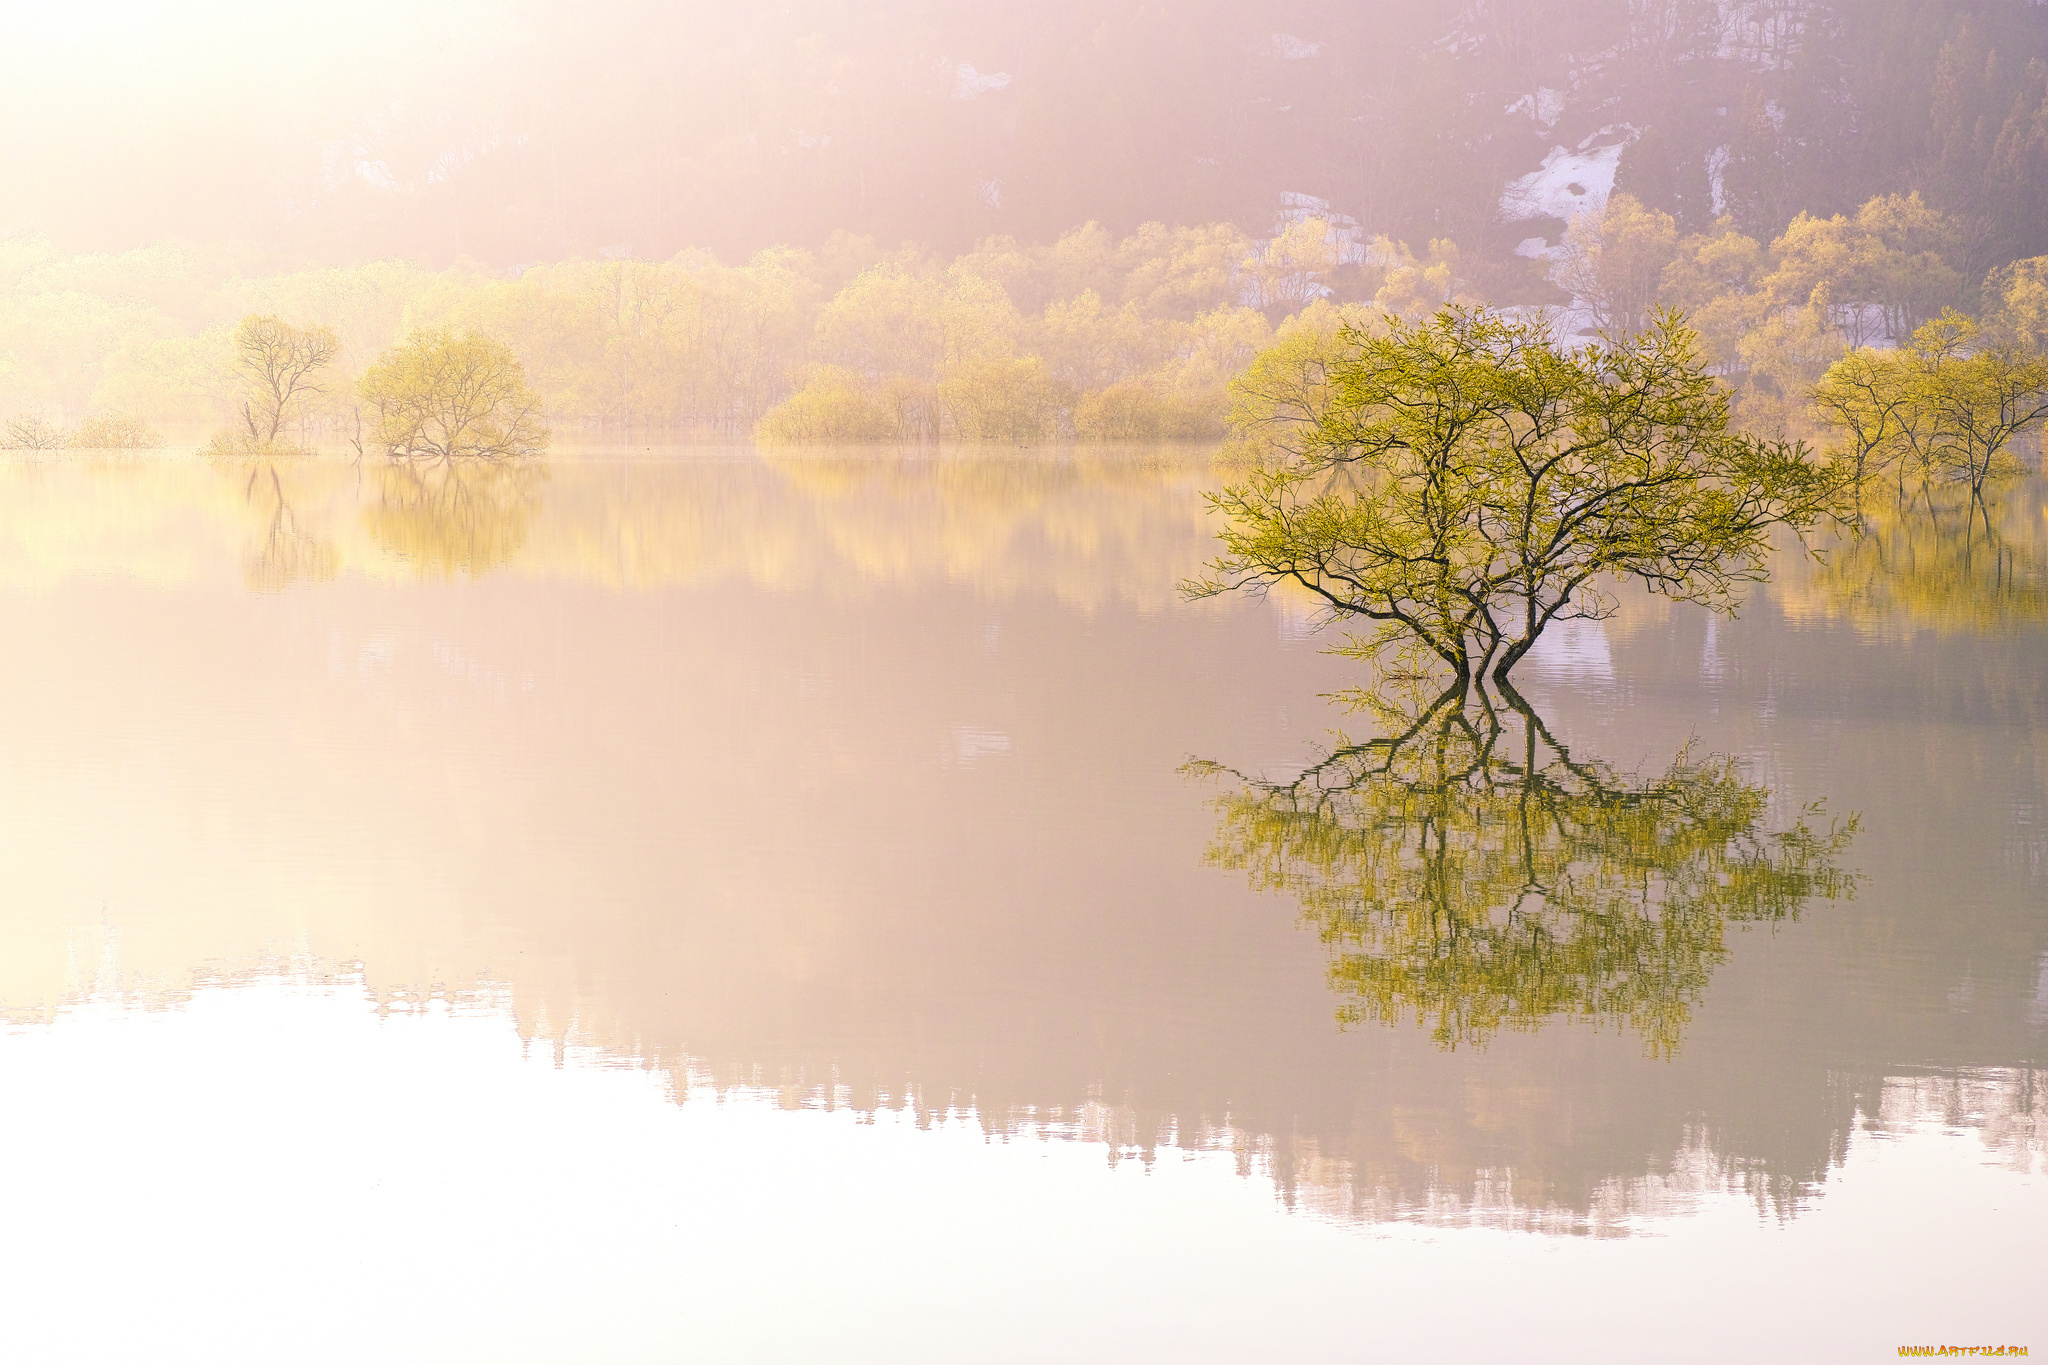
1946	407
448	396
1469	480
1138	335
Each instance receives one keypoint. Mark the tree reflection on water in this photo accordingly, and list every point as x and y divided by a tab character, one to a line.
1941	560
456	516
1467	870
291	546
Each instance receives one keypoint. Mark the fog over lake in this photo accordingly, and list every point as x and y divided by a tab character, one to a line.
758	905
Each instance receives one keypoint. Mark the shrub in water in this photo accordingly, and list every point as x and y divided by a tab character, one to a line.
827	409
111	431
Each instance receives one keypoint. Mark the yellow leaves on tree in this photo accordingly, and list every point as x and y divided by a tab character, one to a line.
280	368
1947	407
443	396
1468	480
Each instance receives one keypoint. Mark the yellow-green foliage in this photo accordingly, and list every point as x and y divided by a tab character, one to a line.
1946	407
238	446
1468	480
1881	273
1614	262
1771	320
184	379
828	410
1289	272
1937	561
1415	856
687	342
1136	410
1276	403
1001	400
281	368
696	344
444	395
1412	288
2016	298
114	431
447	518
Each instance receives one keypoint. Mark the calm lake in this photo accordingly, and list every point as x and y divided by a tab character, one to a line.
695	904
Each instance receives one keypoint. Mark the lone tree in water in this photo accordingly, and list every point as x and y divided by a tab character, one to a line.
442	396
279	364
1469	481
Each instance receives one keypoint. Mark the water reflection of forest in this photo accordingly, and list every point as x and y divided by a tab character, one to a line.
790	872
1103	525
1933	558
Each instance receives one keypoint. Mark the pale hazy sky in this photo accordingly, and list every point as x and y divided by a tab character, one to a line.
67	67
121	104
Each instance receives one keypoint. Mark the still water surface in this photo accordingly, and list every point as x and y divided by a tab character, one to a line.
697	905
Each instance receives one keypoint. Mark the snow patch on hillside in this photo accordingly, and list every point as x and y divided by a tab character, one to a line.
1462	40
1567	184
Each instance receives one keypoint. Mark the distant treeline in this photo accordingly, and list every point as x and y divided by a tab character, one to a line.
1133	338
1091	336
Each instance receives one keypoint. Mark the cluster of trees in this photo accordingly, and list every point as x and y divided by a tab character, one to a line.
1463	482
438	396
1854	332
102	431
1773	318
1945	408
1091	335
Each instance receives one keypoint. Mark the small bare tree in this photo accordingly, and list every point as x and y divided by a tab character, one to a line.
279	363
31	432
